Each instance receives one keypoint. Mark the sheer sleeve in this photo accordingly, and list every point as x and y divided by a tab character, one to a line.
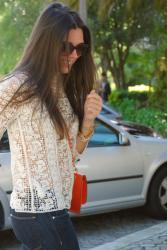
8	108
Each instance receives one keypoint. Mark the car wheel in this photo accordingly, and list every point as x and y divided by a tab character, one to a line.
157	196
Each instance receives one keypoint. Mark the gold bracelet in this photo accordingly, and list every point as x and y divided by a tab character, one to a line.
85	138
90	128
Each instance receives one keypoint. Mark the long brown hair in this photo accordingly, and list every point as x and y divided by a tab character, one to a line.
40	61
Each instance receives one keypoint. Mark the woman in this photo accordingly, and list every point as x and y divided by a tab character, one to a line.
48	107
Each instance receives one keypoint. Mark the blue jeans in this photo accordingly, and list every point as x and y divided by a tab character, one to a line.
44	231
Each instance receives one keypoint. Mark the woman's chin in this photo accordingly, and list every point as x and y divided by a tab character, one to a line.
65	70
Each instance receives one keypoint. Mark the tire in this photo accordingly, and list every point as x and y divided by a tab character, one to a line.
157	195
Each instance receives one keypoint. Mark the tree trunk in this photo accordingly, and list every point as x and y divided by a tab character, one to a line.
116	68
118	73
122	76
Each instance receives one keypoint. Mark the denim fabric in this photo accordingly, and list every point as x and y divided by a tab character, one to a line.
44	231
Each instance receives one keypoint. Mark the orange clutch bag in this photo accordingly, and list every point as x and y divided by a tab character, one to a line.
79	194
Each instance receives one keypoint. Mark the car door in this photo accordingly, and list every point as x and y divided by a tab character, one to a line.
114	171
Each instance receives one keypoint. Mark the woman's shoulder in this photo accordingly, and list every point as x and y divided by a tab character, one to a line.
12	81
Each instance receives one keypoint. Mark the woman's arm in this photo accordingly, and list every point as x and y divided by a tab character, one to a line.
92	108
84	137
8	109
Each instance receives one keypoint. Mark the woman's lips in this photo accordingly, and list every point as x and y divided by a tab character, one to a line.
67	62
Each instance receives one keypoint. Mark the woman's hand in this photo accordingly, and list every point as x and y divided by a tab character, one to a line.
92	107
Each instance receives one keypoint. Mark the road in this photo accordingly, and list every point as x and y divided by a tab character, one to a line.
97	229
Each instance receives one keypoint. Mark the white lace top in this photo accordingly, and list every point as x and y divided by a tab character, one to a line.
41	163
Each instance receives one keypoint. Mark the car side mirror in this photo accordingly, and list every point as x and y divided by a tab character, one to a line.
123	139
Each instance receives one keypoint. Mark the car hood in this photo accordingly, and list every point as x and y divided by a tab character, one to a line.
135	128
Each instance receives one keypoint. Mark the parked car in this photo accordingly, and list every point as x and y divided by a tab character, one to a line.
136	128
111	113
123	171
132	127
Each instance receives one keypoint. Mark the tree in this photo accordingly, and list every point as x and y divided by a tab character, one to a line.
161	7
162	62
16	20
115	34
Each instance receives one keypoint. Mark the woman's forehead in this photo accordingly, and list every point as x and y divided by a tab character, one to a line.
75	36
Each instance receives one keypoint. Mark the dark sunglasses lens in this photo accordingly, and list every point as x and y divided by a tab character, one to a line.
81	49
68	48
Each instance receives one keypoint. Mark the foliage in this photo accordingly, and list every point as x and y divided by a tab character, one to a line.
130	105
117	96
115	35
140	66
119	38
158	99
16	20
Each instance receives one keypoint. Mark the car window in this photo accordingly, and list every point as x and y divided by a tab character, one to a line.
4	143
105	111
103	136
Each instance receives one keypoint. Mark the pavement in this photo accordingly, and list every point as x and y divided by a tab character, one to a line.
152	238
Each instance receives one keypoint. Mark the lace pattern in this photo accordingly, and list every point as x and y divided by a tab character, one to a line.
41	163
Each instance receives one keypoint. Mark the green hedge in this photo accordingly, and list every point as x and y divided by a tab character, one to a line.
134	107
118	96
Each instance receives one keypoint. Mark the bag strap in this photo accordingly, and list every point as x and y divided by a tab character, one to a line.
70	146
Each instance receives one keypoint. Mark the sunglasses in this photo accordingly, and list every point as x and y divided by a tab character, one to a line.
68	48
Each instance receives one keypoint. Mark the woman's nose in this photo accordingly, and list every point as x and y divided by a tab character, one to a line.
74	54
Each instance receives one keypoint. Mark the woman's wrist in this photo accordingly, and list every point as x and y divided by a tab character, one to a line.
87	124
87	130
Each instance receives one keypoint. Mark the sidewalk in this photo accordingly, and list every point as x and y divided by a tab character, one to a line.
152	238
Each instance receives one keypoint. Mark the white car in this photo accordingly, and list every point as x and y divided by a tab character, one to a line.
123	171
111	113
132	127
